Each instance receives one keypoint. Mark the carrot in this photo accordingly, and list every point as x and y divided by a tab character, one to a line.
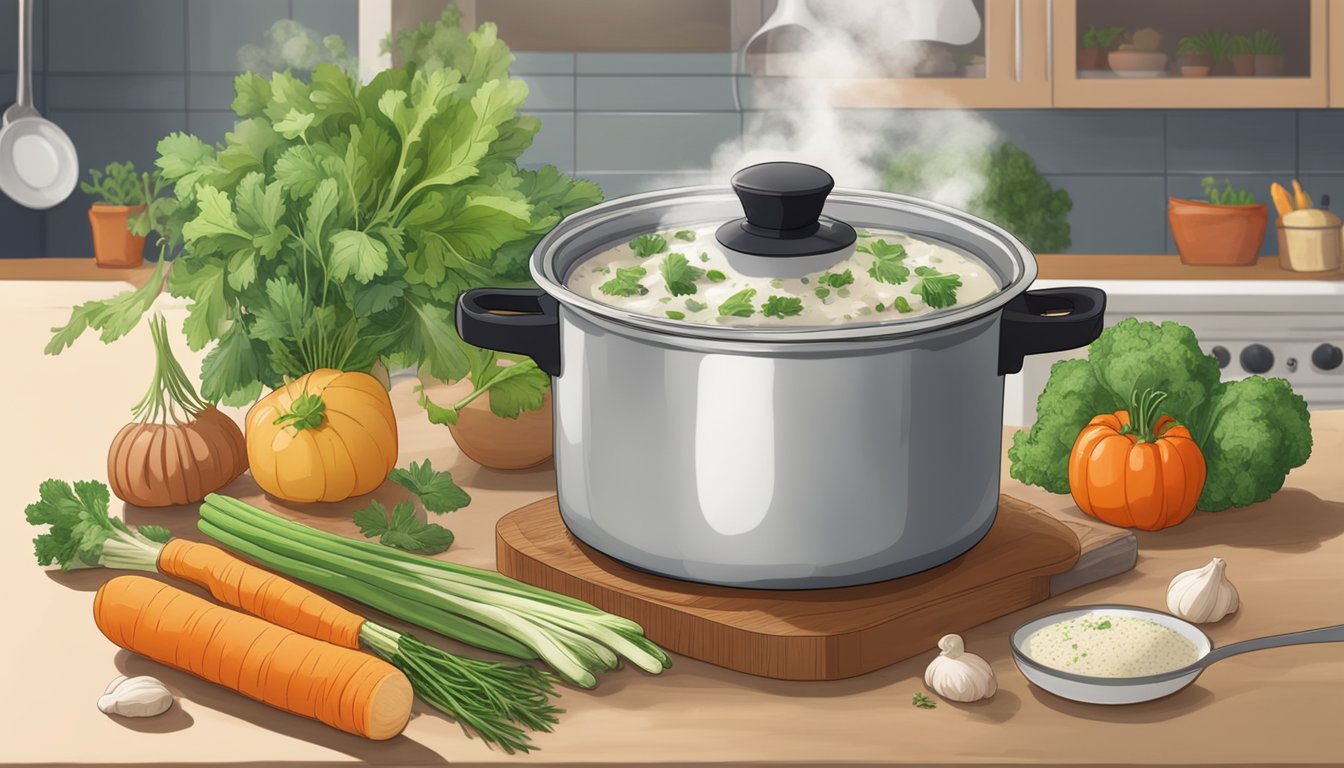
343	688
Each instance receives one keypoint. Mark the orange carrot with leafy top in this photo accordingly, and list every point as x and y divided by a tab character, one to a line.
343	688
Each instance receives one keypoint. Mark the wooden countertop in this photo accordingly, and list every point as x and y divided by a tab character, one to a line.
1053	266
1278	707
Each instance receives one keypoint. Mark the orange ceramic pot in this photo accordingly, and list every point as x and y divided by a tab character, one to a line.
1217	235
113	243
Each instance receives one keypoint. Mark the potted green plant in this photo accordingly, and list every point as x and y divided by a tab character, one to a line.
120	217
1268	53
1214	47
1095	44
1227	230
1242	56
339	221
1192	57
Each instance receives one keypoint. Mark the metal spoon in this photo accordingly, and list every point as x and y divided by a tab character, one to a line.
1133	690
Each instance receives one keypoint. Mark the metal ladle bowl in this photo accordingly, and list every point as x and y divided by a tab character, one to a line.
1092	689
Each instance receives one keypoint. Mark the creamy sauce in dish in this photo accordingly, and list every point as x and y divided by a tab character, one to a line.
1104	645
684	275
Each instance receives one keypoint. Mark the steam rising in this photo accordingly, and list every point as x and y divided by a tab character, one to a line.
792	117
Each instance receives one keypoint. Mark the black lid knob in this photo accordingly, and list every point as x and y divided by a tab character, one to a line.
783	203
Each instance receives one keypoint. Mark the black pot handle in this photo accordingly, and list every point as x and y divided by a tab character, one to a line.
535	332
1049	320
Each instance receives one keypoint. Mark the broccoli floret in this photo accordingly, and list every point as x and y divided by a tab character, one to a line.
1072	396
1135	355
1259	430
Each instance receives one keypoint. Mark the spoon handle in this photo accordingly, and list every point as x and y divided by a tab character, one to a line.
1333	634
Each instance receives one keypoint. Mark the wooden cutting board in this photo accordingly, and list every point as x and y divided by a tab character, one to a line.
822	634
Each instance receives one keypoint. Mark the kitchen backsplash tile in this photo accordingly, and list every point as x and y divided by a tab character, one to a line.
117	92
1085	141
1320	140
209	92
216	29
655	63
553	144
210	126
1115	214
121	36
328	18
527	63
21	229
621	184
611	141
1200	141
643	93
1190	187
1318	184
549	92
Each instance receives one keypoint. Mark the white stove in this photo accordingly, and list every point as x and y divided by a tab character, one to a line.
1289	329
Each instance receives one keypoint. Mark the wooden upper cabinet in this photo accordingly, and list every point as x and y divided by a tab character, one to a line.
1336	27
1007	66
1300	26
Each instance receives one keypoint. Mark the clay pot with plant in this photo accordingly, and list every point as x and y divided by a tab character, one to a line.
1192	58
1242	56
1227	230
1095	45
499	414
119	215
1268	52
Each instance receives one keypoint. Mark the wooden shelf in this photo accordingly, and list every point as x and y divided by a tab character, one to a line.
73	269
1066	266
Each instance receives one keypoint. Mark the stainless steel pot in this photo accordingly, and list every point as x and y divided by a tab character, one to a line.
786	458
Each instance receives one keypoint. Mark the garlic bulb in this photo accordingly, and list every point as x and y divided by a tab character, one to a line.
959	676
135	697
1204	594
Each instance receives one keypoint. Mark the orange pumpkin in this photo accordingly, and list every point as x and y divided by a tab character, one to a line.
1145	472
325	436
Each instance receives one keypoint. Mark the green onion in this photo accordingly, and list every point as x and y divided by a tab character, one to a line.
473	605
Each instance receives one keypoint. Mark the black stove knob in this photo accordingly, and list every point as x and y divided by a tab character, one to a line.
1257	358
1327	357
1224	357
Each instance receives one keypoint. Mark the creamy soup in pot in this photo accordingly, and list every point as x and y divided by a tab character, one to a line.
1107	645
684	275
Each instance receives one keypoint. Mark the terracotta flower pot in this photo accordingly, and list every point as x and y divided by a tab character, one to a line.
1243	64
489	440
1269	66
1221	235
113	243
1091	59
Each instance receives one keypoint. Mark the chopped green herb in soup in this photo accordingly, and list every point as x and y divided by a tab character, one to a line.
888	275
1104	645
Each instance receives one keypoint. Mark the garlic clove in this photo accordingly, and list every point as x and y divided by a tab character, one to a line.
1203	595
142	696
959	676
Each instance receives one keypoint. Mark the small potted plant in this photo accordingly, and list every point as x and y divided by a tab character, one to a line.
1242	56
120	217
1095	46
1268	52
1225	231
1193	58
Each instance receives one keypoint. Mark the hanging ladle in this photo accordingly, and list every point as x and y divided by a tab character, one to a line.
1092	689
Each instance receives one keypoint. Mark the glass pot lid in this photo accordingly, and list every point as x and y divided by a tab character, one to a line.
777	222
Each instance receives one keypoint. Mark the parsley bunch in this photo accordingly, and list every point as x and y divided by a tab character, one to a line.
338	223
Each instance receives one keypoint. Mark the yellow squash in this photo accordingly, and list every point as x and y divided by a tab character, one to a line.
325	436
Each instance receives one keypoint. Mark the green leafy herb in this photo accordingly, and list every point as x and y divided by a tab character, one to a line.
704	258
715	276
1104	624
645	246
937	289
1227	195
625	283
679	275
436	490
901	305
880	307
837	280
81	533
739	304
888	261
1103	37
822	292
696	306
685	234
776	283
675	315
401	529
782	306
924	702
